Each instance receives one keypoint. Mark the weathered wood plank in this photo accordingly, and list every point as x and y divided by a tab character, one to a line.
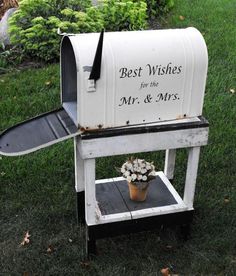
79	169
191	176
90	198
170	163
158	195
167	200
109	199
145	142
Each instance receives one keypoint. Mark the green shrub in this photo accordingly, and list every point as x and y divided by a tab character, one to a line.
156	7
124	14
9	58
34	26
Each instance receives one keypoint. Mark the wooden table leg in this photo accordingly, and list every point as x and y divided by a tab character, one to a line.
90	192
191	176
90	203
170	163
79	184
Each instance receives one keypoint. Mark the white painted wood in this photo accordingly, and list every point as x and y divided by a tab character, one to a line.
140	143
170	187
145	142
159	211
191	176
91	214
170	163
159	173
114	218
101	181
179	207
79	169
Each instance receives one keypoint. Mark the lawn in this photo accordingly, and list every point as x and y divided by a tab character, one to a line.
37	190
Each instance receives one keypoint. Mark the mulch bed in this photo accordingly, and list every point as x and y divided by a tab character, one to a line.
6	5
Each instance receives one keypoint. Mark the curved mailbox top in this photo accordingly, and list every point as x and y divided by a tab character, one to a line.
37	133
146	76
119	79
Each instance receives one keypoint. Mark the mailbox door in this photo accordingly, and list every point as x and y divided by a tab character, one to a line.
39	132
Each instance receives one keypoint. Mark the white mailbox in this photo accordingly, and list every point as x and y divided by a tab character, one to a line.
144	77
126	93
119	79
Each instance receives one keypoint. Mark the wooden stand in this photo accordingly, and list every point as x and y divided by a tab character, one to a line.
105	206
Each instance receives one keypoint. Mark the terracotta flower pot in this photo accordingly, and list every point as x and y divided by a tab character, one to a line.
138	191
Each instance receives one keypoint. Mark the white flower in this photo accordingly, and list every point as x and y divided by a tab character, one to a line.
129	166
138	170
143	171
135	161
142	165
144	178
129	178
139	177
127	173
123	170
152	173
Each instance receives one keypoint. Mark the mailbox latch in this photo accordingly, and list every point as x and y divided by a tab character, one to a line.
96	68
91	87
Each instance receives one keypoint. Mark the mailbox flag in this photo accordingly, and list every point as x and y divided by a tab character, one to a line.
96	69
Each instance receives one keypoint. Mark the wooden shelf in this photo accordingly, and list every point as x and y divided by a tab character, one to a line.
114	204
106	207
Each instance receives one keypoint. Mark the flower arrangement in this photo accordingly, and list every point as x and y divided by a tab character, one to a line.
138	173
138	170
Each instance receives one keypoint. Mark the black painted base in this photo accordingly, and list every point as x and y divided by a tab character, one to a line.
113	198
80	207
185	231
100	231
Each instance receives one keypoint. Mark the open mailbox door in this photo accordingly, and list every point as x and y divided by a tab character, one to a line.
111	83
52	127
37	133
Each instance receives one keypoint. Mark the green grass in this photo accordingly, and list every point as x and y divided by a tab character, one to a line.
37	190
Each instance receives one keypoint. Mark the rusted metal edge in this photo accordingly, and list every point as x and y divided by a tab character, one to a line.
88	133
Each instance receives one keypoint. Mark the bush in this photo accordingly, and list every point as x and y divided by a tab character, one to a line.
155	7
34	26
9	58
124	14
